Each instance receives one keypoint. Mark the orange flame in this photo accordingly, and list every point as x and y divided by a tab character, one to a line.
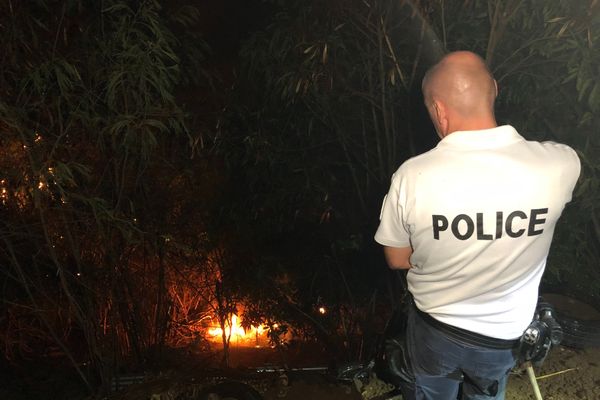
237	333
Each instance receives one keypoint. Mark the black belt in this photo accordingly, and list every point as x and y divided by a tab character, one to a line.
466	336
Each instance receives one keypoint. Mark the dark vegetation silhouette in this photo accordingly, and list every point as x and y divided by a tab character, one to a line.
149	183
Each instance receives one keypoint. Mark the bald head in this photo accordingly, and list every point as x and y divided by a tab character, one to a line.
462	83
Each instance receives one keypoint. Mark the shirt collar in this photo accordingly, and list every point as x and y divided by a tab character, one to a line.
481	139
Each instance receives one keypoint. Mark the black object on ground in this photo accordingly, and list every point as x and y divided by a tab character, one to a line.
580	322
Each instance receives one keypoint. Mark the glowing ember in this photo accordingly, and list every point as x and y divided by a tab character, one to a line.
322	310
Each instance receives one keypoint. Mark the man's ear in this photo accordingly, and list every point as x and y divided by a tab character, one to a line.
437	109
441	117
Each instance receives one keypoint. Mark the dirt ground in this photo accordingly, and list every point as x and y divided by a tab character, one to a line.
566	374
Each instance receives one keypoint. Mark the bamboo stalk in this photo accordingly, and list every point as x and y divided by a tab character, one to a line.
531	375
556	373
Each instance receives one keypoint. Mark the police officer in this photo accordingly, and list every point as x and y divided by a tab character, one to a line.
472	221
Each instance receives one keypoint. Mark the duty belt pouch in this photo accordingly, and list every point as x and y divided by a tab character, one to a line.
542	333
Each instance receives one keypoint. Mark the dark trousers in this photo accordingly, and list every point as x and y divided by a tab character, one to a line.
446	368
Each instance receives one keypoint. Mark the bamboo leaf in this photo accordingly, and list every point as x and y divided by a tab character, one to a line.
594	97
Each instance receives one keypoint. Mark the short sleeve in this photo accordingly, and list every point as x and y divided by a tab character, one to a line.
393	228
572	172
570	167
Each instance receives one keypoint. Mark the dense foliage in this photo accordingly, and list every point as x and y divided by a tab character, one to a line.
143	194
338	84
92	139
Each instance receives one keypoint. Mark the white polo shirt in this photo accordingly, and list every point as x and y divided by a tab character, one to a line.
479	211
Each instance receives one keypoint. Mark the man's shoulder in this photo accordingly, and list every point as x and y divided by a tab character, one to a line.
558	147
420	161
558	152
